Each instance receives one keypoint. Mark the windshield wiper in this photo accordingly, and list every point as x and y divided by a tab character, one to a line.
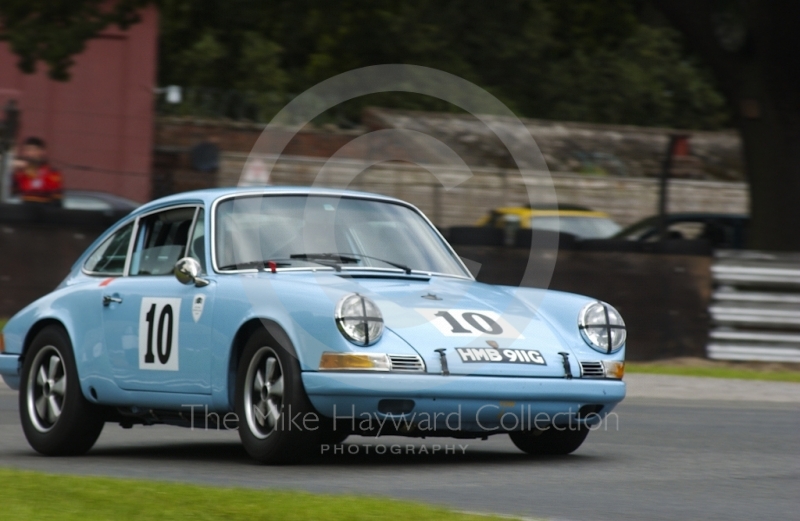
348	258
319	260
260	265
330	260
264	264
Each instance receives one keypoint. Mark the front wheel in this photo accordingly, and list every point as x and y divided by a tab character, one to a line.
56	419
277	423
551	441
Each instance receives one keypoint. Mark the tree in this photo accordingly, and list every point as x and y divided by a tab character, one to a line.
53	31
752	48
586	60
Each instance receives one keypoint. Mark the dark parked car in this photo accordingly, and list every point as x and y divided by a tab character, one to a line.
721	231
97	201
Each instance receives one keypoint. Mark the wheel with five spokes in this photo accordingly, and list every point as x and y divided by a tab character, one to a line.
56	418
271	403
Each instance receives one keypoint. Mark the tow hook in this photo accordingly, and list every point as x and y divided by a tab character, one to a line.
443	360
567	368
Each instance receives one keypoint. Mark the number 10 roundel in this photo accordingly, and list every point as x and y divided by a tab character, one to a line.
158	333
468	322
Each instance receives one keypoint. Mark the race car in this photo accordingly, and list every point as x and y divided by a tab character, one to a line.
300	316
579	221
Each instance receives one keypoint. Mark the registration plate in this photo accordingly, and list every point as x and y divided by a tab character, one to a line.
489	355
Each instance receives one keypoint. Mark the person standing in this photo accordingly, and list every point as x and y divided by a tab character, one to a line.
35	181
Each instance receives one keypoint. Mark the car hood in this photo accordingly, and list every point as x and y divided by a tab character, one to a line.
482	328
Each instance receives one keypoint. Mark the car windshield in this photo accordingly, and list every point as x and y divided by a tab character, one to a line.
646	229
582	227
344	232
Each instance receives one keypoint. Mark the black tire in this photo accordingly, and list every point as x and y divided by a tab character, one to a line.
550	442
56	418
265	426
330	436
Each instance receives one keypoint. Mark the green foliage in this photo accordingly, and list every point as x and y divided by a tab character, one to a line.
723	371
584	60
644	81
88	499
53	31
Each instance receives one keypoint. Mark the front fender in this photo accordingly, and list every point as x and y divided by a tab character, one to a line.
303	312
561	310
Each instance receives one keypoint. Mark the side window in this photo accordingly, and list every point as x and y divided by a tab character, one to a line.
685	230
160	241
109	257
197	245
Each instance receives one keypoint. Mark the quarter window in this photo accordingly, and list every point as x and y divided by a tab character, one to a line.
109	258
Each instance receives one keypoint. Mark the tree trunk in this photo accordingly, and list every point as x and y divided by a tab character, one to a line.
760	77
771	146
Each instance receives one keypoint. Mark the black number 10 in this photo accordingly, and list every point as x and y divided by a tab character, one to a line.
164	318
484	325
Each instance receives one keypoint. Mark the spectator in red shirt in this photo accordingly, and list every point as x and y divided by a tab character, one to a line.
37	181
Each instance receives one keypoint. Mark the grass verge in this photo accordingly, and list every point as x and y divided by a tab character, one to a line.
38	496
767	373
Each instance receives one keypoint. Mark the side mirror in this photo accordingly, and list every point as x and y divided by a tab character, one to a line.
187	271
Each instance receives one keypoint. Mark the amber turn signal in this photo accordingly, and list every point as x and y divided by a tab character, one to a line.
331	361
614	369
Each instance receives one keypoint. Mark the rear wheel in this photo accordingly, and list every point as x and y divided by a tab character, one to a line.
550	442
269	396
56	419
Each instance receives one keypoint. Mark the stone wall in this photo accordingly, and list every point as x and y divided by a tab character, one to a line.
615	150
180	134
606	167
625	199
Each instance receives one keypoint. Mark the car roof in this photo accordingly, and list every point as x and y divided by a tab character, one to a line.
209	195
105	196
690	216
563	211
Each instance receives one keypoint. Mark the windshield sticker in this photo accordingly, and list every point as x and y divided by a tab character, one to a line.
198	303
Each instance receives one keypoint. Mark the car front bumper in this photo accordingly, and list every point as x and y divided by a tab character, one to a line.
474	404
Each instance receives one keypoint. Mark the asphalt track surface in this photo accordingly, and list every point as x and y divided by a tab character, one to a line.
676	455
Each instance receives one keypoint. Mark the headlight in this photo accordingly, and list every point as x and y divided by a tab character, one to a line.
359	319
602	327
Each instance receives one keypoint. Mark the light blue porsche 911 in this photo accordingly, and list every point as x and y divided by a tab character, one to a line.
300	316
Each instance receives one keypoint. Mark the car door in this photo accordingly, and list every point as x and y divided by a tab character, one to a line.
157	330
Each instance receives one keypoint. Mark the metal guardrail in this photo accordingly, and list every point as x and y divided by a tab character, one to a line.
755	307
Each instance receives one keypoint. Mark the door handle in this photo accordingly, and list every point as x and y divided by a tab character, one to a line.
108	299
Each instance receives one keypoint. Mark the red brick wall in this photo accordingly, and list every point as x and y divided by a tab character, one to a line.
98	125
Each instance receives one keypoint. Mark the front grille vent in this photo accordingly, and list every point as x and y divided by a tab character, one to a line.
407	363
592	370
